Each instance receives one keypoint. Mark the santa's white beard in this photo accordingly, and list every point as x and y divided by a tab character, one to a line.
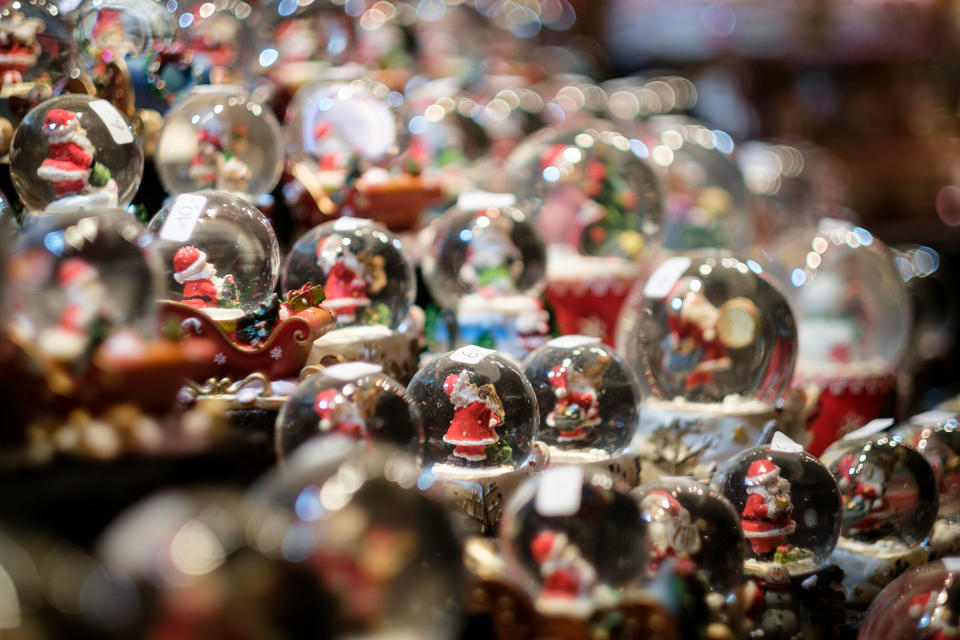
770	500
207	273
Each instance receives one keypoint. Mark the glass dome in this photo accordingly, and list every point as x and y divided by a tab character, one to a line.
934	443
922	603
36	49
113	30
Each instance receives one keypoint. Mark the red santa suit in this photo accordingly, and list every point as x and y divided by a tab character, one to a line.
475	418
201	287
670	532
345	288
864	494
77	278
18	46
70	155
765	523
572	389
338	414
565	573
942	623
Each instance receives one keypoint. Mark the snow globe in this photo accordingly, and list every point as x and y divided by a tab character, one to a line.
484	261
595	201
355	400
75	152
853	322
480	420
890	504
694	530
370	534
115	31
714	344
220	43
221	259
573	541
923	603
369	284
218	138
589	405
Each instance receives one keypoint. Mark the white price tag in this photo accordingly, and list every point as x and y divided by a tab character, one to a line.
933	417
559	491
871	428
666	275
116	124
471	354
952	564
348	224
350	371
572	342
183	216
781	442
478	200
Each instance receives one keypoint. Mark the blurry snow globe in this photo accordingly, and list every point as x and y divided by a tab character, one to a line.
922	603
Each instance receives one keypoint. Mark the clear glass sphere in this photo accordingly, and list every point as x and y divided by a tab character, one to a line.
36	49
356	400
695	528
934	444
216	137
73	280
923	603
570	537
709	325
888	489
112	30
706	202
386	553
366	276
789	506
218	251
304	31
588	395
590	188
851	304
73	152
479	410
222	42
483	245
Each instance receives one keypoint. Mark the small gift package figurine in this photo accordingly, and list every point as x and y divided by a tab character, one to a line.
355	400
369	284
218	138
789	507
596	203
484	261
75	152
923	603
480	420
853	321
589	405
889	506
714	343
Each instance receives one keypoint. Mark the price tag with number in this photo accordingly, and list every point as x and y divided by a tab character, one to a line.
114	121
781	442
559	491
183	216
871	428
470	354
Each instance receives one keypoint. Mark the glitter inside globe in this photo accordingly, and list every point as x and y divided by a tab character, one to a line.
706	202
75	152
934	444
109	31
366	276
571	536
75	279
694	528
36	50
851	304
588	395
483	245
888	489
355	400
789	506
479	410
708	326
219	252
923	603
588	188
218	138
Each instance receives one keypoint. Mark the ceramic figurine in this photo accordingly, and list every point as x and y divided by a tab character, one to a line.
566	575
202	288
351	279
19	48
766	517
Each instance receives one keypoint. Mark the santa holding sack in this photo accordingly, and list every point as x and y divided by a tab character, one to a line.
766	517
566	574
346	287
337	414
202	289
865	506
671	533
693	345
577	411
477	414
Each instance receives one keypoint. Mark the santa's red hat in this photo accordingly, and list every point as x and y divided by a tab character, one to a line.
450	383
212	138
107	20
559	380
761	472
187	262
60	119
74	271
661	501
547	544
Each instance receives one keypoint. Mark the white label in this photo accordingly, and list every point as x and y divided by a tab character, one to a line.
572	342
933	417
869	429
350	371
471	354
666	275
952	564
781	442
478	200
559	491
351	224
183	216
114	121
826	225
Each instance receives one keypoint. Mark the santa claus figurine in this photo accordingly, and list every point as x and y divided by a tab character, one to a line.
693	345
69	165
577	411
202	288
338	414
492	263
865	506
939	611
18	46
85	300
670	531
477	413
348	285
206	162
566	574
766	517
